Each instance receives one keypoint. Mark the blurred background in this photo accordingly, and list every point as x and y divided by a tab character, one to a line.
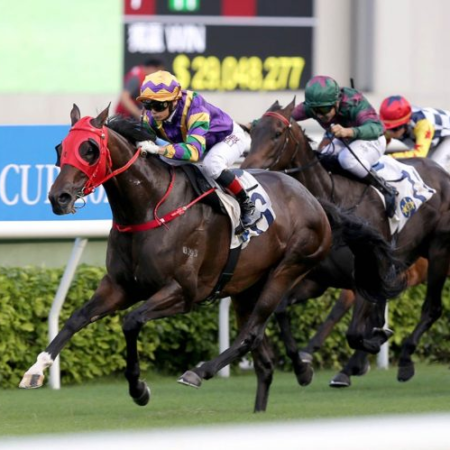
241	54
57	52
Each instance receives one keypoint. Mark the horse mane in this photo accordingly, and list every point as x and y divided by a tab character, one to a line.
131	129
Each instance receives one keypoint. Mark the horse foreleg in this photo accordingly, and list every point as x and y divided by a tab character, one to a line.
340	308
107	298
431	311
166	302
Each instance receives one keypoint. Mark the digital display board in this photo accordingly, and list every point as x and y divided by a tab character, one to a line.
223	45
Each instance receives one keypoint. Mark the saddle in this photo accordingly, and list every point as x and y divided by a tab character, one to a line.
200	184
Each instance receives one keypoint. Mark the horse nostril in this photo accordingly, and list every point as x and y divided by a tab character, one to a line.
64	198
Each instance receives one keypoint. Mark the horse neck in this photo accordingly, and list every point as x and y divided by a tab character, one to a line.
134	193
312	174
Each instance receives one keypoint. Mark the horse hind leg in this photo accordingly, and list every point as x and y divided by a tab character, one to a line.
358	365
251	335
264	368
303	369
340	308
262	355
431	311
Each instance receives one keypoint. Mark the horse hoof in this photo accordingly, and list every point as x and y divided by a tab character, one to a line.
341	380
190	378
144	398
405	373
305	377
32	381
305	357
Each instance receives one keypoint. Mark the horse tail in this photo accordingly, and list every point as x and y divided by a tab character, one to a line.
378	274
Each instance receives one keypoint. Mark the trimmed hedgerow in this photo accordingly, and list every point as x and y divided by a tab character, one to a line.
169	345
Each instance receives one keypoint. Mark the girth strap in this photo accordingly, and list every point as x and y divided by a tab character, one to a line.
226	274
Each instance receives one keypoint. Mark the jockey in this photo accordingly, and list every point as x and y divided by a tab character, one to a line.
347	115
195	131
425	131
128	106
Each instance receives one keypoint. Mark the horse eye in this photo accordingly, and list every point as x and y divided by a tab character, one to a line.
278	134
58	155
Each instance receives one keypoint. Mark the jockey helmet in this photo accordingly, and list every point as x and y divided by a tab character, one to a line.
161	86
321	91
395	111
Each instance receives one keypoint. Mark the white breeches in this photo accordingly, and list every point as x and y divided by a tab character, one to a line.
368	153
224	154
442	154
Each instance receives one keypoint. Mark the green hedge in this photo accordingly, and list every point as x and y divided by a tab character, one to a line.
168	345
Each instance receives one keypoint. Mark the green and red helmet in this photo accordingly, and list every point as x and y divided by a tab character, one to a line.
395	111
321	91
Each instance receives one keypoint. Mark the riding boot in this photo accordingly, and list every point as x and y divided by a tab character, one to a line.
249	214
389	192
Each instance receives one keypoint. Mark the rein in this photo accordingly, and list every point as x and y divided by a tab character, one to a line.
159	221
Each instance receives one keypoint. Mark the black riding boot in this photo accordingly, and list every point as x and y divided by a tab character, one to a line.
389	192
249	214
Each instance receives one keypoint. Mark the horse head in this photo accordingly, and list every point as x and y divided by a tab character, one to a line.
275	138
83	158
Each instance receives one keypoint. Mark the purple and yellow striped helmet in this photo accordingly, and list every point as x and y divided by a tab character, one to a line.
161	86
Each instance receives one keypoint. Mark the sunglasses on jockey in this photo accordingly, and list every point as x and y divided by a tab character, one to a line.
153	105
322	110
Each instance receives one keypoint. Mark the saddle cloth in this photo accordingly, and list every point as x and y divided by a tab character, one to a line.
259	197
412	191
255	191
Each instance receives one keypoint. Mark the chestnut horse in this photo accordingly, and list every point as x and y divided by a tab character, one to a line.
279	144
170	267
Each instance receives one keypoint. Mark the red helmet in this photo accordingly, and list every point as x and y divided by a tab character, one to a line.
395	111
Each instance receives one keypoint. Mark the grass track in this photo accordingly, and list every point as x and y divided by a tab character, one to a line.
105	405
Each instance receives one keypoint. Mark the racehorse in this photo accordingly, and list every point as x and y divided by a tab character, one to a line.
167	248
279	144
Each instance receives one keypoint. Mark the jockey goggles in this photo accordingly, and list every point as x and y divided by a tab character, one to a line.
154	105
395	129
322	110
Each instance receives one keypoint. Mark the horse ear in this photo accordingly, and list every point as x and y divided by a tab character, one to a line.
75	114
290	107
275	106
100	120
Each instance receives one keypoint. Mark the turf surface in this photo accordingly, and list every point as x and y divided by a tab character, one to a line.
105	405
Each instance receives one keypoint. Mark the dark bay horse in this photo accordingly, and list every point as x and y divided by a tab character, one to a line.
171	267
279	144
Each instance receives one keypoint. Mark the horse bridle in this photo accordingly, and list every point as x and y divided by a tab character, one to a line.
289	134
99	172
